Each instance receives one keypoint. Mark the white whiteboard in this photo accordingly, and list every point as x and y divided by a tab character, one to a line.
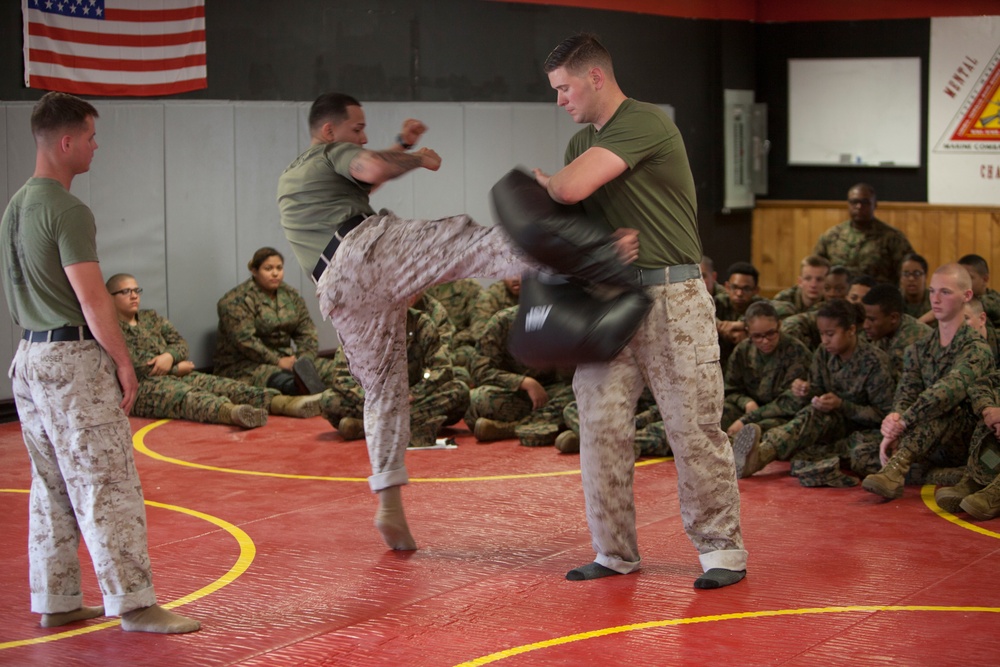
854	112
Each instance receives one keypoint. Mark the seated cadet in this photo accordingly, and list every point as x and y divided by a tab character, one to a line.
808	293
978	492
913	285
976	318
266	336
850	389
887	326
930	423
459	299
436	397
802	326
501	294
446	330
170	388
650	434
511	399
760	373
710	276
858	287
979	271
741	291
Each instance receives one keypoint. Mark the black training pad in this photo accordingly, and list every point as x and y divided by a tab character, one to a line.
561	237
561	324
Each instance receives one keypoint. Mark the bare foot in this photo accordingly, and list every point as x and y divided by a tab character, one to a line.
62	618
157	619
391	521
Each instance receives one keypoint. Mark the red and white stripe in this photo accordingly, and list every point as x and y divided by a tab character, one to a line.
141	48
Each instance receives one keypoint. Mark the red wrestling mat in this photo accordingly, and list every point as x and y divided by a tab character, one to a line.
266	537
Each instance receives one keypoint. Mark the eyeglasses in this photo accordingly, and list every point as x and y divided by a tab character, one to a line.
913	274
128	290
767	335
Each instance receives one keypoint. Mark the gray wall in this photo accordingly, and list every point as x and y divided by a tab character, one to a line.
184	191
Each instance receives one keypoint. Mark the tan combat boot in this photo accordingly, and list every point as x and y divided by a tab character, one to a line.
302	407
244	416
949	498
487	430
568	442
889	481
984	505
351	428
750	453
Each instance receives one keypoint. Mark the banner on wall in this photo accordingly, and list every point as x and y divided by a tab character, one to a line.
963	123
138	48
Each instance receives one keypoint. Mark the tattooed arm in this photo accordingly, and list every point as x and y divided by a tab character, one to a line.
377	167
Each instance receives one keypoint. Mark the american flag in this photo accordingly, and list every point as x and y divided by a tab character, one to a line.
115	47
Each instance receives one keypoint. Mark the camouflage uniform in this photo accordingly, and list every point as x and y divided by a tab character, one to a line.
498	376
991	304
195	396
765	379
490	301
984	451
991	340
725	311
803	328
445	330
256	330
792	296
931	397
437	397
920	308
864	382
459	299
877	252
910	331
650	435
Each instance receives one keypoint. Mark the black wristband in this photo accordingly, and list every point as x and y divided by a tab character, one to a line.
399	140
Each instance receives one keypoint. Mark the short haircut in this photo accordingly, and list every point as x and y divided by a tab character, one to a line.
973	304
885	296
845	313
116	280
743	268
863	186
261	256
976	263
330	107
577	53
816	262
60	111
864	279
961	274
761	308
840	270
707	261
914	257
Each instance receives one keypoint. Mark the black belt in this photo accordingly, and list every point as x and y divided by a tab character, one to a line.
327	255
669	274
60	335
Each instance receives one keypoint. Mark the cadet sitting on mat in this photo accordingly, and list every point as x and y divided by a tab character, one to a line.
930	421
760	373
438	314
979	271
976	318
888	327
501	294
803	325
808	293
913	285
510	399
170	388
850	389
459	299
858	287
741	291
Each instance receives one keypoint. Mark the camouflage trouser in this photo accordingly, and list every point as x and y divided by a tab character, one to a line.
257	374
984	455
731	412
942	442
535	428
364	292
676	354
196	396
812	433
83	478
650	439
444	405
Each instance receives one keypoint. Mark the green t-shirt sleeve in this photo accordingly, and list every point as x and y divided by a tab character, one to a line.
76	236
339	155
643	136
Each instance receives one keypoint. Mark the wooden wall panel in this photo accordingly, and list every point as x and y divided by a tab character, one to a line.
785	231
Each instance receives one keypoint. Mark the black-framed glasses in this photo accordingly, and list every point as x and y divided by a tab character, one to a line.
128	290
767	335
913	274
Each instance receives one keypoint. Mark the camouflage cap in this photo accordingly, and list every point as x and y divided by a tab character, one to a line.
825	472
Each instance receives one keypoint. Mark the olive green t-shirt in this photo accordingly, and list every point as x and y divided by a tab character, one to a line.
316	194
44	229
656	194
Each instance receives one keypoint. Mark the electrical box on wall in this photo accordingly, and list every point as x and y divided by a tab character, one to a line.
746	147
